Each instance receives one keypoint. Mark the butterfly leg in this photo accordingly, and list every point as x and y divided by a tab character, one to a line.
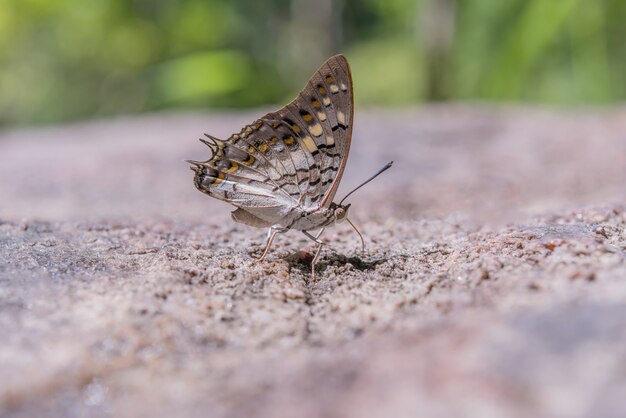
360	236
271	233
314	238
319	249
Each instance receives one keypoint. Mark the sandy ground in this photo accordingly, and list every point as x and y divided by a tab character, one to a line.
494	281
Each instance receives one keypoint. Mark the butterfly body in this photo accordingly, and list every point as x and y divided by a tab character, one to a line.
283	170
307	219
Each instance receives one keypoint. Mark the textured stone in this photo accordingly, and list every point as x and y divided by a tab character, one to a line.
493	283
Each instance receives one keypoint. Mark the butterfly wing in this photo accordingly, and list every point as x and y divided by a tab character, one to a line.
321	119
292	157
244	170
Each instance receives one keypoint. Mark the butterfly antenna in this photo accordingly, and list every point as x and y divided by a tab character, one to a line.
386	167
358	232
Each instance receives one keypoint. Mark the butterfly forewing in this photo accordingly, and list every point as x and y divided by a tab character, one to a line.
322	117
292	157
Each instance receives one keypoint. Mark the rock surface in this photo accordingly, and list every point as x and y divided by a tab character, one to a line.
494	281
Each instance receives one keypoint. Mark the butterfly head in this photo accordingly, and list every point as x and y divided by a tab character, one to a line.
341	212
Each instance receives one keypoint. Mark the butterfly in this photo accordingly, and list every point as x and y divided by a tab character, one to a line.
283	170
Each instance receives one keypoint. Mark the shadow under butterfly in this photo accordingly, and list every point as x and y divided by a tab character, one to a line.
283	170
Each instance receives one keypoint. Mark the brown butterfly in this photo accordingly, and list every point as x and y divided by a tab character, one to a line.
283	170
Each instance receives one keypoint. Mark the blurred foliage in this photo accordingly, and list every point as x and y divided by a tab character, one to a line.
69	59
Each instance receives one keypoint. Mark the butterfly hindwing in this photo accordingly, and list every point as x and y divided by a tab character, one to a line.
244	176
322	116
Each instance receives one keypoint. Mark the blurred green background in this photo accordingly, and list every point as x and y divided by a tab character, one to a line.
63	60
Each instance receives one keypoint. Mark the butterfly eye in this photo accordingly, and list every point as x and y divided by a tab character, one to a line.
340	214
